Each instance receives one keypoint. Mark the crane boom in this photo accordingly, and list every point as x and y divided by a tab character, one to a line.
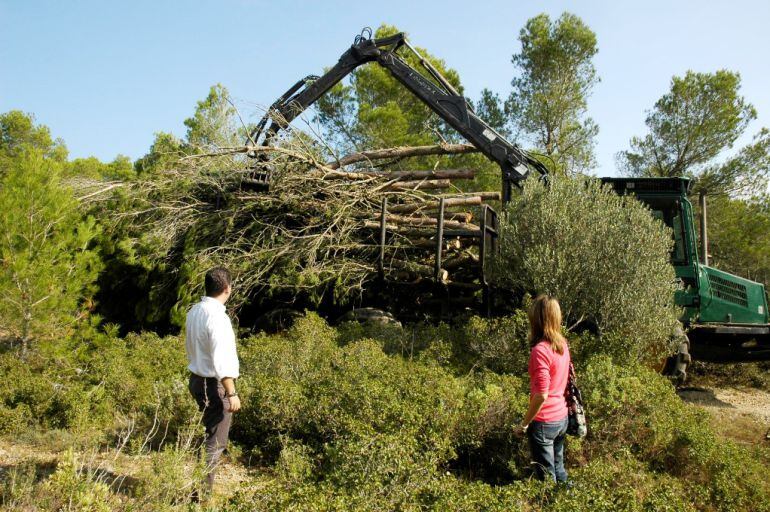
440	97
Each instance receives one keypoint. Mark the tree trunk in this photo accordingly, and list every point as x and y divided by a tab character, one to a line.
419	185
403	152
449	174
468	200
418	268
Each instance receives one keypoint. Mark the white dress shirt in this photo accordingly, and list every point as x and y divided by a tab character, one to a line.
210	340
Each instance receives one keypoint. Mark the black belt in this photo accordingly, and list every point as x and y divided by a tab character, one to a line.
198	376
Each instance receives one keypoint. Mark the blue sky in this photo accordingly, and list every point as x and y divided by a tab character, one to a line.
105	76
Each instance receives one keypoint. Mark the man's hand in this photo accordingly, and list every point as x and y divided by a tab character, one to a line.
235	404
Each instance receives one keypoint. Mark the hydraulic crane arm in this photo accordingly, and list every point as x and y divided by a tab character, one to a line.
441	97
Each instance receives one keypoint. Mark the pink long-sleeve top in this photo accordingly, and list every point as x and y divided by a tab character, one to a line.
548	373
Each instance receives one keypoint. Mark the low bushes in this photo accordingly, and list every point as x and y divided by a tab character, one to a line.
339	419
98	384
305	387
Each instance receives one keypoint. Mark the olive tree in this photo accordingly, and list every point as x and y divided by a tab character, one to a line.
604	256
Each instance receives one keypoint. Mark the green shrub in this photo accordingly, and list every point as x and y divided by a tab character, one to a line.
340	420
497	344
308	388
486	447
17	484
609	485
635	410
99	384
144	378
75	486
41	392
604	256
169	478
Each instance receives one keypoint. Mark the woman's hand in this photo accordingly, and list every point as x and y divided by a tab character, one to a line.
520	430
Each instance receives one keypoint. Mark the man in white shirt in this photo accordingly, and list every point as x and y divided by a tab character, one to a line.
210	344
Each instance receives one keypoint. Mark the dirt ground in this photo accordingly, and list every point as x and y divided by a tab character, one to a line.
116	469
740	413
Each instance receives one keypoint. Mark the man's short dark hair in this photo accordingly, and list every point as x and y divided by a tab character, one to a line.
217	281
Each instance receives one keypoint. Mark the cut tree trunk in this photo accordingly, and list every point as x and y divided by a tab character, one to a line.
402	152
428	243
449	174
419	185
460	261
428	221
419	269
469	200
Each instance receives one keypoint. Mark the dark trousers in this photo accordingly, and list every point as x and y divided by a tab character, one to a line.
210	396
546	442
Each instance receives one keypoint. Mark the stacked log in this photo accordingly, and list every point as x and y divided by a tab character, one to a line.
415	224
308	225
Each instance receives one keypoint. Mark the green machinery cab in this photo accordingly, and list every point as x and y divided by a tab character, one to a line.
726	316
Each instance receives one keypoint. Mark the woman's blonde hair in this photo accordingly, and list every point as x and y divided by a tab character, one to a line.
545	323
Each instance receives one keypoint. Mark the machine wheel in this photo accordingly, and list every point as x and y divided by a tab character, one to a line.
370	315
276	320
676	365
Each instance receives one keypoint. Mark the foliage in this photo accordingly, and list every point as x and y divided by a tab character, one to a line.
602	255
48	266
647	450
213	124
473	343
77	487
137	262
694	123
549	98
19	134
375	110
99	385
332	422
121	168
636	412
164	152
313	390
738	236
491	109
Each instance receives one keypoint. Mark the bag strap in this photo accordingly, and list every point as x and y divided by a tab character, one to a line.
572	391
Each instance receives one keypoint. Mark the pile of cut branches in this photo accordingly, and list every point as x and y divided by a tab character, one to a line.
317	227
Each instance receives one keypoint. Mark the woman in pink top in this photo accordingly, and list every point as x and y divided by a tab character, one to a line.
546	420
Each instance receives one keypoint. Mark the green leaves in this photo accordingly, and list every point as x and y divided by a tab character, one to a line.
213	123
47	265
701	116
556	75
19	133
602	255
738	236
375	110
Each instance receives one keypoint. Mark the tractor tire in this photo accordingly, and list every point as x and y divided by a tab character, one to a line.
676	364
370	316
276	320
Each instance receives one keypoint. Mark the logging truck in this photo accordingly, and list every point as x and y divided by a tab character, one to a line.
725	317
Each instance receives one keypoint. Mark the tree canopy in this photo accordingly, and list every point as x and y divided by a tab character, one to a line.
555	77
18	133
375	110
691	126
47	266
739	240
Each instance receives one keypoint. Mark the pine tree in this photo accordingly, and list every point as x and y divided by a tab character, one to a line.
47	268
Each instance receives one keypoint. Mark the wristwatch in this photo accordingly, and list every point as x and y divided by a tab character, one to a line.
230	395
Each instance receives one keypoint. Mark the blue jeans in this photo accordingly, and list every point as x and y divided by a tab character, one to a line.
546	442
